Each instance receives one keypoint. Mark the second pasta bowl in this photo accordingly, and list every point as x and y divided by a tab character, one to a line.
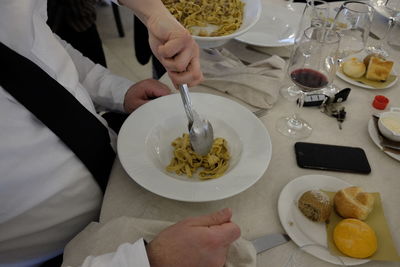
251	14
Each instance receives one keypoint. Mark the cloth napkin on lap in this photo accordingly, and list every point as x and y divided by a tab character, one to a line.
256	84
98	238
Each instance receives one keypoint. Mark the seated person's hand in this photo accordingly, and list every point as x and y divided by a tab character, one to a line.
175	48
142	92
195	242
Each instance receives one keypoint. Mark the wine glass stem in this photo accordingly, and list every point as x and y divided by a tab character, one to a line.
389	27
295	121
300	102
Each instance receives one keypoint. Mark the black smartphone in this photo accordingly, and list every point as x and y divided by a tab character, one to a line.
331	157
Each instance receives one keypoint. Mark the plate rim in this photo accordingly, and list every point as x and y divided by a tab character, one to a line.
264	13
284	206
147	164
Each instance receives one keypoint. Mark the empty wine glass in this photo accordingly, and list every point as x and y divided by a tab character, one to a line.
316	14
312	66
353	22
390	9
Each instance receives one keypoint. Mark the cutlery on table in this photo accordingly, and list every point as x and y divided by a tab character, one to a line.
266	242
200	130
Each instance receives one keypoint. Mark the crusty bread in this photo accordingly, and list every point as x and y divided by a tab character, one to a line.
378	69
353	202
315	205
354	68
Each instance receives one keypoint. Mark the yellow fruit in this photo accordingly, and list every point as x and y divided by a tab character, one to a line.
355	238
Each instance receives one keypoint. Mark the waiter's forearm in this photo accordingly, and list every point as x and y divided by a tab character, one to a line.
144	9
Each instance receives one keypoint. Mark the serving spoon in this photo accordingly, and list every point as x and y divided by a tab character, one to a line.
200	130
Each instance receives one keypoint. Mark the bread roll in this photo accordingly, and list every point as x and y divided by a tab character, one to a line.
353	202
354	68
355	238
315	205
378	69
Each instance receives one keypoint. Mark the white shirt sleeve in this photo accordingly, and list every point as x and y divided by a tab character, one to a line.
106	89
127	255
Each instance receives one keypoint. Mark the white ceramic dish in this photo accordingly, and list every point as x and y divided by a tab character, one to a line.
361	56
389	133
302	230
276	27
252	13
373	133
144	147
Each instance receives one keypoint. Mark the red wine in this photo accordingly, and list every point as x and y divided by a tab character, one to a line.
309	79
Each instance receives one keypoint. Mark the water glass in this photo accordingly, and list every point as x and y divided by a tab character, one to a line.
390	11
353	22
315	14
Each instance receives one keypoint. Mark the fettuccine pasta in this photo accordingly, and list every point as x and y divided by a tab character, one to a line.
226	14
186	161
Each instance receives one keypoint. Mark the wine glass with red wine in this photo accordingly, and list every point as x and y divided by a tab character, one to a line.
312	66
315	13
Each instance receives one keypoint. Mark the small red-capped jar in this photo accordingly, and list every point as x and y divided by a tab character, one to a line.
380	102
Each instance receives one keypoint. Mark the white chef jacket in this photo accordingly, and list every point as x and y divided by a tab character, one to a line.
47	195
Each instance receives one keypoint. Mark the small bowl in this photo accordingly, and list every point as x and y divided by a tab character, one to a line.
389	124
252	13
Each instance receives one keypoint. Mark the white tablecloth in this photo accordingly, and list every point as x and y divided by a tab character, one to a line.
255	210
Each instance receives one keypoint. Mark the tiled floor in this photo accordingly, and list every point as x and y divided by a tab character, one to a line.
120	54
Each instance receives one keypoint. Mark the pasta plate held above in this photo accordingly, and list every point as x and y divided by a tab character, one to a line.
213	23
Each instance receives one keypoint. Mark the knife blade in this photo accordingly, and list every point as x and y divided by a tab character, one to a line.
269	241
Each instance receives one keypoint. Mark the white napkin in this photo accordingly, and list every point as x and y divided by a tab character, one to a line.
256	84
98	238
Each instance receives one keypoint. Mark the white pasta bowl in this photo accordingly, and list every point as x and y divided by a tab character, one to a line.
144	147
388	125
252	13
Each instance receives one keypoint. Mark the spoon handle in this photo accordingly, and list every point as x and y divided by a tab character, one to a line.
187	102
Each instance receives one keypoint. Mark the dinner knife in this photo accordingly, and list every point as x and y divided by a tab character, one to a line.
266	242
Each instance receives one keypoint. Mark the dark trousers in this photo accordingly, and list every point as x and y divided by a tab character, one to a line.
54	262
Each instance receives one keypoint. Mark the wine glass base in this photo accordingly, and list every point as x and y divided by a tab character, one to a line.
330	90
293	127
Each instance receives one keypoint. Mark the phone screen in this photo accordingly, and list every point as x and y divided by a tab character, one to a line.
331	157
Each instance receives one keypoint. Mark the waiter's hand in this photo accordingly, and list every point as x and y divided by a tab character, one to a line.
175	48
142	92
200	241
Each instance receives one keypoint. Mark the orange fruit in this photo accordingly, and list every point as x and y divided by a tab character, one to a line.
355	238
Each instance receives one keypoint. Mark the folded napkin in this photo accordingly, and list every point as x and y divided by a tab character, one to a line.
98	238
256	84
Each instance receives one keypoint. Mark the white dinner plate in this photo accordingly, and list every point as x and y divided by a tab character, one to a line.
276	27
344	77
302	230
144	147
373	133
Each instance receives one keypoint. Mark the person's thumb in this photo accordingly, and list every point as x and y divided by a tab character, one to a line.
216	218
